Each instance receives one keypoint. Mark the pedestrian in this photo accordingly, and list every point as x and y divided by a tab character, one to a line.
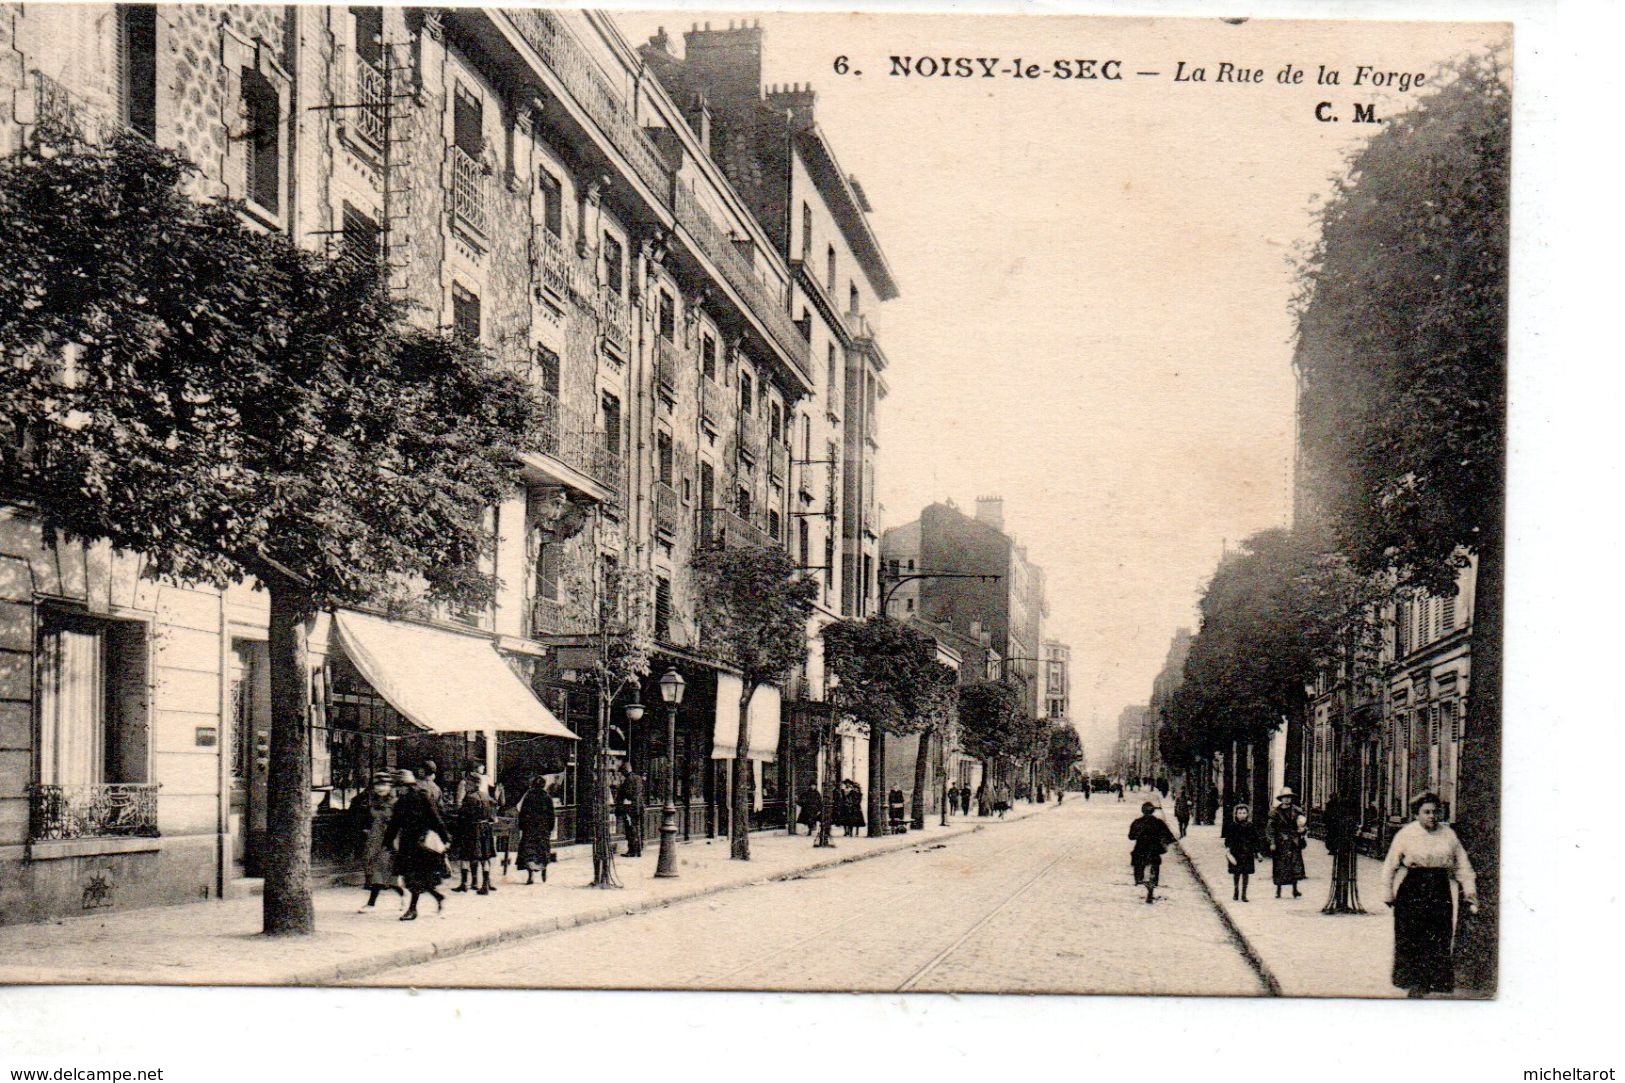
377	863
1119	788
1060	794
850	816
426	782
896	812
1001	799
1287	831
475	844
536	816
1162	786
1088	785
1151	839
419	837
630	801
1242	840
811	809
1425	865
1182	812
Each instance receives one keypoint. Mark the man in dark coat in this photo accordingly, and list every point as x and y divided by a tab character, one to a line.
1151	839
420	865
1182	812
630	798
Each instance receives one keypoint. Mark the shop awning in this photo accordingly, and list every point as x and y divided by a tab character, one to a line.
442	681
764	721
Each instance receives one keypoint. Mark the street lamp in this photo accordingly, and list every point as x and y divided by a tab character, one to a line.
671	691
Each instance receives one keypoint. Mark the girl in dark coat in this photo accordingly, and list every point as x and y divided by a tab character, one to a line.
537	817
1242	839
812	808
411	823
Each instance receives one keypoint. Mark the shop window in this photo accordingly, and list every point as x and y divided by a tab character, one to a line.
262	141
137	61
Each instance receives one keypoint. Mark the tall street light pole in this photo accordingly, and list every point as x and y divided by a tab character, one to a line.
671	691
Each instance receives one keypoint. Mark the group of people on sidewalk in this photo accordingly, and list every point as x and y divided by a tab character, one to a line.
409	843
1425	870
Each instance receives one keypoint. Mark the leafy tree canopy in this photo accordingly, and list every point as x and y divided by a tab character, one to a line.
754	604
1402	336
887	674
229	404
990	720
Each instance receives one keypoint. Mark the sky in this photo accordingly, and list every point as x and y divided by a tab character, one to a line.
1096	282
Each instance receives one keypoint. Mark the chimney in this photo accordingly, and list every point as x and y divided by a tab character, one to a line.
795	99
725	64
699	119
990	510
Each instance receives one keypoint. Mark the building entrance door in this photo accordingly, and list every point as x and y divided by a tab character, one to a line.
249	751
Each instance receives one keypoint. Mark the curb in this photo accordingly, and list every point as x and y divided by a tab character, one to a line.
1272	985
353	969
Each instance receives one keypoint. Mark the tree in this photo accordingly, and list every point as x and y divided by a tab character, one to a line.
1065	750
753	611
888	678
1402	396
990	719
234	407
938	705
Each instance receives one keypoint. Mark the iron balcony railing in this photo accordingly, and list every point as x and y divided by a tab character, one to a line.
568	436
667	508
551	616
468	189
97	810
556	266
721	527
373	90
778	461
615	312
750	435
741	274
668	359
546	33
714	402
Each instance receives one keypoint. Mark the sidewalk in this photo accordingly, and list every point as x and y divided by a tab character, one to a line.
1306	952
219	943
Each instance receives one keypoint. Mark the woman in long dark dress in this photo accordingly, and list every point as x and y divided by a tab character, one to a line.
537	817
1428	862
811	809
1243	841
377	862
419	866
1286	834
850	816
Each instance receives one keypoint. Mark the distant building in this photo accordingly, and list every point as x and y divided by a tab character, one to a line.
1057	679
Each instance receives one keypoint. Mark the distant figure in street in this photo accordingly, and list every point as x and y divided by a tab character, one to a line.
1287	831
849	814
377	863
1120	791
629	797
1151	839
420	861
1182	812
811	808
475	843
1001	799
984	804
537	817
1242	840
1426	863
896	812
426	782
1162	786
1060	794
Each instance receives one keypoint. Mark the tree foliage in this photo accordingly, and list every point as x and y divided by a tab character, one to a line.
1064	750
990	720
1402	336
887	674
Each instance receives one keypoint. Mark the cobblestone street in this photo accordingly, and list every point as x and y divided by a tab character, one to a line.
1040	904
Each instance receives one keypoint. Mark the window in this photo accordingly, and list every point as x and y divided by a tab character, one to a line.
829	274
92	700
361	240
834	379
1447	615
668	317
806	232
465	313
137	63
775	525
468	123
547	370
549	566
262	141
663	457
851	296
708	487
612	422
708	357
663	609
803	543
742	503
552	202
829	560
776	423
908	604
614	265
747	399
369	35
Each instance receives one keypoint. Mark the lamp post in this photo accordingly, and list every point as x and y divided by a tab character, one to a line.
671	691
633	790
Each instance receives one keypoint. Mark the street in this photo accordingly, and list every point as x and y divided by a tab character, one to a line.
1037	905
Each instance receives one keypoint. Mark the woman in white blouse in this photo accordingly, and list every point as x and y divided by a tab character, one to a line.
1424	864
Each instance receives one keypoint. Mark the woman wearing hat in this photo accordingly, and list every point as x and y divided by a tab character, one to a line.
419	859
377	862
536	819
1425	864
1286	831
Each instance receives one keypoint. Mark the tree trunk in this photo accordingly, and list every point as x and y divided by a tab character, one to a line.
603	806
1258	758
922	768
832	777
1228	788
877	782
287	908
1478	787
739	818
